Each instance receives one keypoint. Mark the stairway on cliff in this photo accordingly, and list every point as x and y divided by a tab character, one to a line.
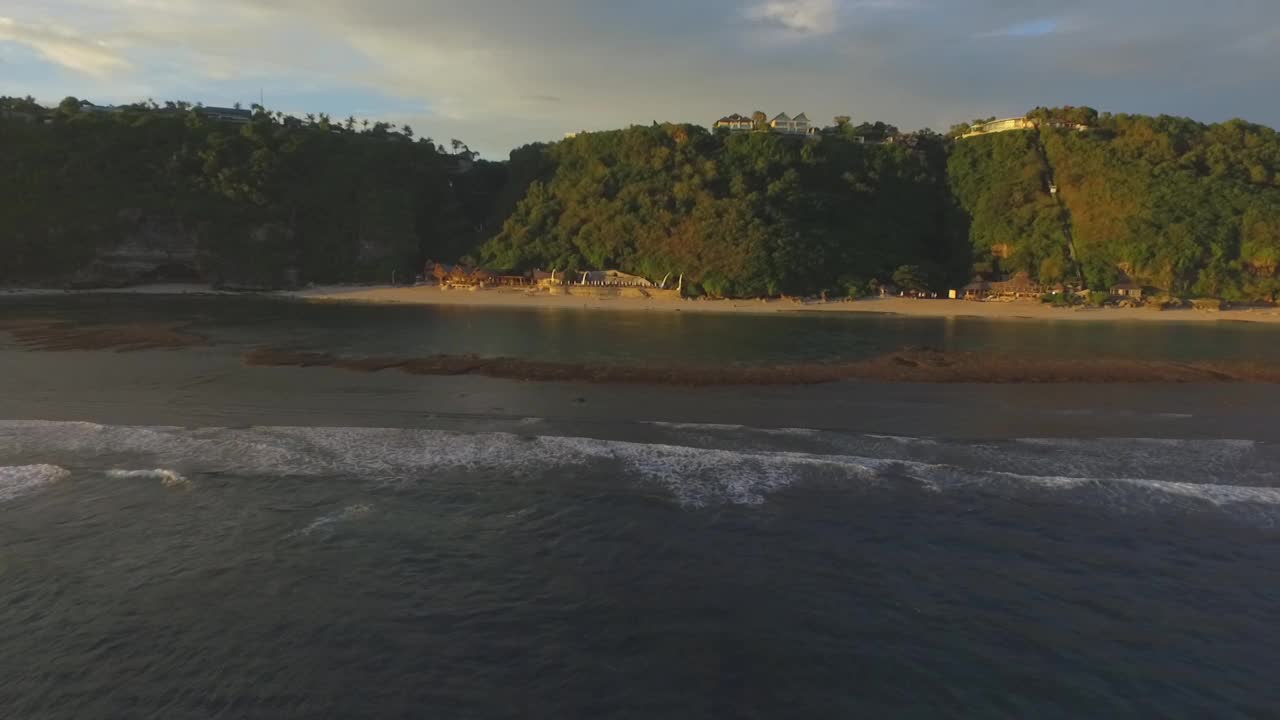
1064	212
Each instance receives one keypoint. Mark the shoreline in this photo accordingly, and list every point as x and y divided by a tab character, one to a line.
428	295
901	307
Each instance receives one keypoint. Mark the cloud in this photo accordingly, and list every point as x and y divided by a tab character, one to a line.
499	74
65	47
1028	29
814	17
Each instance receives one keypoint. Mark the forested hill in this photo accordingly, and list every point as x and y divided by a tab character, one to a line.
1187	207
96	197
1179	205
744	215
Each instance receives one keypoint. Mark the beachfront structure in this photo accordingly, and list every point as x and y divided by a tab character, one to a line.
798	125
1018	286
461	276
612	278
735	123
1133	291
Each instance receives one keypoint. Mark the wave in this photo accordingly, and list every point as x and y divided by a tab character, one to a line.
721	466
694	426
19	480
168	478
719	427
326	523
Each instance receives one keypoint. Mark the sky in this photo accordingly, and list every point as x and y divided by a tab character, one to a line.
498	74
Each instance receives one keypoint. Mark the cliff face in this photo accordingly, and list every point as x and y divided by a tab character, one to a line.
150	248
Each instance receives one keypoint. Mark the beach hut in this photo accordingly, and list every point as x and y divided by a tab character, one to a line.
1132	290
1020	285
977	290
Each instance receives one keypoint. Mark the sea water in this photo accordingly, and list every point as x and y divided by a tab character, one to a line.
182	536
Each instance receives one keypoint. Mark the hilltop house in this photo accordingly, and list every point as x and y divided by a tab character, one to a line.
798	125
1022	123
231	115
735	123
88	107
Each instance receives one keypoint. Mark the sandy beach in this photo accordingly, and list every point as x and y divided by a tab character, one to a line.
504	297
1015	310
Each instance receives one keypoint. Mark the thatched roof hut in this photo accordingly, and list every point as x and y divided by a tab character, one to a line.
1019	285
614	278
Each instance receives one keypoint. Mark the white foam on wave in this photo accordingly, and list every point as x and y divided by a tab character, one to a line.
701	476
326	523
695	476
168	478
19	480
714	427
1072	443
901	440
725	428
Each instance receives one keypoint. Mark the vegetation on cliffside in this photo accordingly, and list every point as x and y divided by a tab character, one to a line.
1184	206
741	215
1180	205
322	200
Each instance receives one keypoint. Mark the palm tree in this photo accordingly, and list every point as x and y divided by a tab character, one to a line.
408	131
365	123
351	122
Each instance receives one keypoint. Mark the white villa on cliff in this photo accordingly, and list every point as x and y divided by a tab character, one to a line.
736	123
798	125
785	124
1021	123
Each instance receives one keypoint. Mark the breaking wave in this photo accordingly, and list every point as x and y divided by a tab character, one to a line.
19	480
326	523
168	478
717	465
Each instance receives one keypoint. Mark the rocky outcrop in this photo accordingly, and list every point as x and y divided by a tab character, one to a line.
157	248
150	248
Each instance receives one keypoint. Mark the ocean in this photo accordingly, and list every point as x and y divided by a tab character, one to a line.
182	536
